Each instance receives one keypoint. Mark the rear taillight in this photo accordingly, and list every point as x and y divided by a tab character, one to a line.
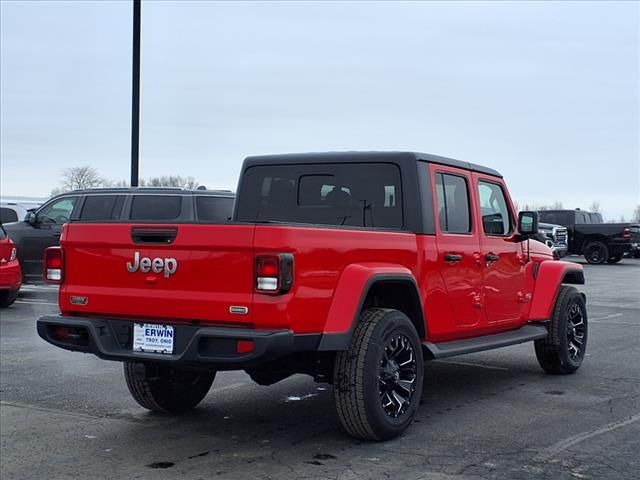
274	273
14	254
626	233
53	265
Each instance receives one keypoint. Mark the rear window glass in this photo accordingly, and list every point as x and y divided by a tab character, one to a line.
3	234
8	215
557	218
156	207
102	207
214	209
350	194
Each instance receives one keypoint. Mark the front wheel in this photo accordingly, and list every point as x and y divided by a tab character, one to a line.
166	389
378	381
562	350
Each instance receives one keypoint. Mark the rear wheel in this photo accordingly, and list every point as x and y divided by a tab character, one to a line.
615	258
166	389
596	253
7	297
378	381
562	350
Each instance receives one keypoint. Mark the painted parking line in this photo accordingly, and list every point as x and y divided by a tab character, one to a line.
558	447
27	302
38	288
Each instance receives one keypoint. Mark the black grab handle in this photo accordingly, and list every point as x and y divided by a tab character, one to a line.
154	234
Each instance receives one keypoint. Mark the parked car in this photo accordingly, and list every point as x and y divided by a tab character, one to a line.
598	242
554	237
10	274
349	267
15	211
41	228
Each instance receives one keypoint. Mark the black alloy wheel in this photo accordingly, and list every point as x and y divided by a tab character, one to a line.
397	376
576	329
562	351
596	253
377	382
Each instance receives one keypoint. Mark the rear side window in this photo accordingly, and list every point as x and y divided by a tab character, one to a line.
452	194
102	207
8	215
3	234
156	207
214	209
349	194
582	218
557	218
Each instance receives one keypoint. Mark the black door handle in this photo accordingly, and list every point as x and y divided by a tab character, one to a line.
491	257
452	257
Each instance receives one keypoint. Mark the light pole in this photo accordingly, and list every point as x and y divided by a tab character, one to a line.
135	96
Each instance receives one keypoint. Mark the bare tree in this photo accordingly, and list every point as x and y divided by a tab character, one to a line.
162	181
170	181
78	178
636	214
595	207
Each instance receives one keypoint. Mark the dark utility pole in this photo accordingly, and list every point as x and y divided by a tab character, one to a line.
135	96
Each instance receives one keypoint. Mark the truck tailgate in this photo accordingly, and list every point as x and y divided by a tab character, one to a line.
181	272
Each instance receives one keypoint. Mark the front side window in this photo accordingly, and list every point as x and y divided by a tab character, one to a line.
496	219
58	211
156	207
452	194
349	194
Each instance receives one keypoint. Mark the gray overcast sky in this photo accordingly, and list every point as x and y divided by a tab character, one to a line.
545	92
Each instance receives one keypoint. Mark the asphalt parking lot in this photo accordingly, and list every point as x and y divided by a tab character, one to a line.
68	415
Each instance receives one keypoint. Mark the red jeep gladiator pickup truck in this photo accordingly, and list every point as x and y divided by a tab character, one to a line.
350	267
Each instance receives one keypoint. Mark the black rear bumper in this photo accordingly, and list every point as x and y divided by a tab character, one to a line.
194	345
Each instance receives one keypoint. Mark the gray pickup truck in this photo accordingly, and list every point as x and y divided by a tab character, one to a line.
555	237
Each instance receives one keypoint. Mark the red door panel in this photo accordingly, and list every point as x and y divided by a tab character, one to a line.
458	246
501	254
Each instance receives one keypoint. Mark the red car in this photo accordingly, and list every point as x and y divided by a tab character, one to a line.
10	274
349	267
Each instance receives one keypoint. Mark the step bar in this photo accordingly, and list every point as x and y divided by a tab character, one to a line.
527	333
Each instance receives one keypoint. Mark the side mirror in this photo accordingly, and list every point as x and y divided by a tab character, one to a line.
527	224
31	218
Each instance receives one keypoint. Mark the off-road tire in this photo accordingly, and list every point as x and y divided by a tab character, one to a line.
7	297
596	253
167	389
357	381
615	258
554	351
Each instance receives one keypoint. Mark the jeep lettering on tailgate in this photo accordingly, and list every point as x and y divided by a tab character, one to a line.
157	265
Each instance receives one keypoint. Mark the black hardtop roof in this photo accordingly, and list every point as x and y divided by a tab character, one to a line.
132	190
355	157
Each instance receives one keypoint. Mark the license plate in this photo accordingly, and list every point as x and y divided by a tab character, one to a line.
149	337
